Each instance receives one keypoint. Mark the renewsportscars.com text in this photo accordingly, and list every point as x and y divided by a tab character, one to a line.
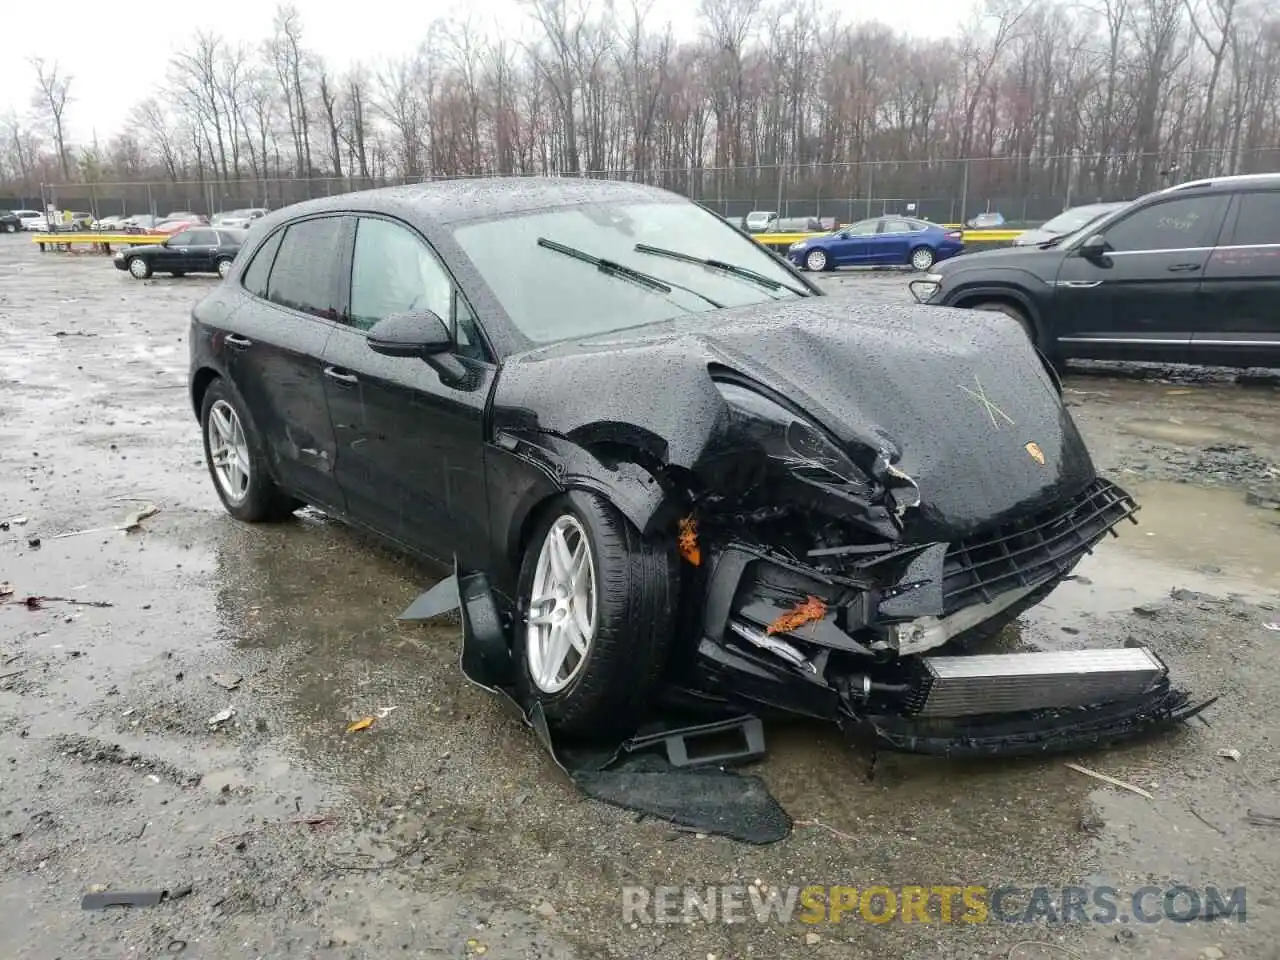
942	904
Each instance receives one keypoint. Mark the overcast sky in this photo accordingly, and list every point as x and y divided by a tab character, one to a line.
116	52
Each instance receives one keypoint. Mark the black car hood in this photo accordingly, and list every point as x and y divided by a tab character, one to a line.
954	396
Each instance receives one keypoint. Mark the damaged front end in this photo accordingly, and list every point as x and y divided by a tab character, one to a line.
820	597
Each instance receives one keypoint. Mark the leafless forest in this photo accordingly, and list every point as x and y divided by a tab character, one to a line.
1031	105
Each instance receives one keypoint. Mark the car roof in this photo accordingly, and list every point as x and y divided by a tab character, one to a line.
481	198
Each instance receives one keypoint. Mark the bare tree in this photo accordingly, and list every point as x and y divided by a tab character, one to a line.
53	91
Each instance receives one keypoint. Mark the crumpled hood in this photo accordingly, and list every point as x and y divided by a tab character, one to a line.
956	396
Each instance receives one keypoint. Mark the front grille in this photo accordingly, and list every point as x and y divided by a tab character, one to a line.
1033	550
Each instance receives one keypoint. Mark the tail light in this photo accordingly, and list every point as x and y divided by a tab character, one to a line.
954	235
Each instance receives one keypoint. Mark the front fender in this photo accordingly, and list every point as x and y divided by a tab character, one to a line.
528	468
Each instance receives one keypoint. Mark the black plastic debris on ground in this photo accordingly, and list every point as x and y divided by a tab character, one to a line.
670	769
135	898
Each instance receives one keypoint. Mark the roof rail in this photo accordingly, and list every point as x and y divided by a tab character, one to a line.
1210	181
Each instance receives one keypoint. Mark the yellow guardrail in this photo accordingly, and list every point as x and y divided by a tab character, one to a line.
96	239
970	236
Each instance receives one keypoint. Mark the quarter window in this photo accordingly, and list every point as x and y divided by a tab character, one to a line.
255	277
302	275
1172	225
395	272
1258	221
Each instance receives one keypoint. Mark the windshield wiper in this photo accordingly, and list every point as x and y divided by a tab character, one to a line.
614	269
730	268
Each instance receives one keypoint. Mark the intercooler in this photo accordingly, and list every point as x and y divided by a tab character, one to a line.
1017	682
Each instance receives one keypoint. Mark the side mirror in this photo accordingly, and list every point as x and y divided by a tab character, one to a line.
417	334
1095	248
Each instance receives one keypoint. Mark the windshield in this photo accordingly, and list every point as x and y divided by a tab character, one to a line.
1072	220
550	296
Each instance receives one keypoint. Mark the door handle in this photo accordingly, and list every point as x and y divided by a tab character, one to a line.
238	342
342	376
1183	267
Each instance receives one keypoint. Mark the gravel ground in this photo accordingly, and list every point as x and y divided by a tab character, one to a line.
443	831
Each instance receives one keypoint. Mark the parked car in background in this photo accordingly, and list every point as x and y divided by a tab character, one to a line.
111	224
239	219
877	242
201	250
985	221
761	221
140	223
1189	274
10	222
1067	223
174	226
33	220
187	217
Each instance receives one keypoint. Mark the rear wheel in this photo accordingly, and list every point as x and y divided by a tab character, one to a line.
816	260
10	228
237	460
139	269
922	258
224	267
598	603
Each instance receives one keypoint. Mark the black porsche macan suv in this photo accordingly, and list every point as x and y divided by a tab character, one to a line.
1189	274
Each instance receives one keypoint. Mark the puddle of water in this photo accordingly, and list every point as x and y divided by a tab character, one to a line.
1174	430
1192	538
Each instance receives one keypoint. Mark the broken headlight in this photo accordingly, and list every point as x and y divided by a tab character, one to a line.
793	442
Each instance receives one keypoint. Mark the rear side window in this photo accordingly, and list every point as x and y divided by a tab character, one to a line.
1258	221
1177	224
302	275
203	238
897	226
255	278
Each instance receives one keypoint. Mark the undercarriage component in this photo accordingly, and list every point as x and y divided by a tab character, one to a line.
1017	682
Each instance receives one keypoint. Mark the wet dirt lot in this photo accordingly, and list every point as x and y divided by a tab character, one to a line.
443	831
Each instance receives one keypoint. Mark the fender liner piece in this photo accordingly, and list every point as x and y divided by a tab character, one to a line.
688	787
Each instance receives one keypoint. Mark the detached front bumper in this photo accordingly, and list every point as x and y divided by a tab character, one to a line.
847	646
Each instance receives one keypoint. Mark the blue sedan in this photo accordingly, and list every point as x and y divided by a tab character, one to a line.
877	242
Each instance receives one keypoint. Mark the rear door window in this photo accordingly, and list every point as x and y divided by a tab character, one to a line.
302	277
1179	224
1257	222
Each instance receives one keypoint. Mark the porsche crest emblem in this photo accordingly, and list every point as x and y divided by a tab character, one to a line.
1034	451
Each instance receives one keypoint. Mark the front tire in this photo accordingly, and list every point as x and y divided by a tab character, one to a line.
237	461
139	269
816	260
10	228
922	258
597	604
1013	313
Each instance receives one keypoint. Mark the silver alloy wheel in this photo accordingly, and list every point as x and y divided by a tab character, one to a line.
562	606
922	258
138	267
224	267
228	450
816	261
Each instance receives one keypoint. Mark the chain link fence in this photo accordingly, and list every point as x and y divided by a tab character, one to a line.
1024	190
